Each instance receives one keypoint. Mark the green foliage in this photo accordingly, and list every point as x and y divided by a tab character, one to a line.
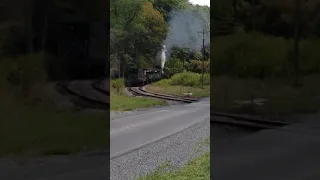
137	31
197	56
166	6
173	66
197	66
117	85
186	79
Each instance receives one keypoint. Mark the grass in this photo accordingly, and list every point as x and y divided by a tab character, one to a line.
124	103
281	96
181	83
197	169
179	90
119	101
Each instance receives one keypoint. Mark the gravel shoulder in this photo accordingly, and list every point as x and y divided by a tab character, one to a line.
177	149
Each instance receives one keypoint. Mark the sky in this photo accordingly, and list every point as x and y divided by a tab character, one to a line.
201	2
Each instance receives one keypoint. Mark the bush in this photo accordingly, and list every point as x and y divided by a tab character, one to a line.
173	66
196	66
117	85
186	79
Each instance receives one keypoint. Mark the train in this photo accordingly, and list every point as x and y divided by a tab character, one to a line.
142	76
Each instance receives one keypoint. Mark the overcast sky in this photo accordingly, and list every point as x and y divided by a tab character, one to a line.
201	2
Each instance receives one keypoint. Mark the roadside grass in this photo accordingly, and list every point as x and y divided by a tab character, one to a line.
181	83
179	90
281	97
196	169
119	101
126	103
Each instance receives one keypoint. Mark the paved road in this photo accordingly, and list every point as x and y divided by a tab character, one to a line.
130	133
288	153
126	133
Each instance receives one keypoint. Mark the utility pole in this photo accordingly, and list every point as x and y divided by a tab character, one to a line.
203	32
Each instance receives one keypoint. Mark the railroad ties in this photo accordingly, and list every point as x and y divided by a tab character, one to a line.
142	92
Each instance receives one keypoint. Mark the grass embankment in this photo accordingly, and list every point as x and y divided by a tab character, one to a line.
196	169
182	83
31	125
119	101
276	96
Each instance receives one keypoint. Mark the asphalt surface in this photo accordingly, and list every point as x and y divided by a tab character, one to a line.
130	133
287	153
176	150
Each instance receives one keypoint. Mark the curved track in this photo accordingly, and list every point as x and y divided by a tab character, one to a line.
96	93
140	91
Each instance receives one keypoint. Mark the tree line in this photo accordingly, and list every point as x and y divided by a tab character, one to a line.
263	38
137	30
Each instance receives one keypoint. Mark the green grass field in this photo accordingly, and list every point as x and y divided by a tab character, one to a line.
119	101
122	102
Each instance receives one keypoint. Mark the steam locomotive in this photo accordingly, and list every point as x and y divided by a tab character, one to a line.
140	76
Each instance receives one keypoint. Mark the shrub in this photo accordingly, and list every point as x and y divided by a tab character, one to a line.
189	79
196	66
117	85
173	66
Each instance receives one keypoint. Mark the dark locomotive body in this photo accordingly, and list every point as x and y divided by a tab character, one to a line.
140	77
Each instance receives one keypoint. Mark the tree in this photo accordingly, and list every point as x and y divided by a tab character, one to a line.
166	6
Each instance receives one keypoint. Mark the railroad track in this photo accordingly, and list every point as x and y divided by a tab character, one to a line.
167	95
140	91
244	121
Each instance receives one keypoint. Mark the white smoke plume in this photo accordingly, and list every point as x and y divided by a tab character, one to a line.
184	28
